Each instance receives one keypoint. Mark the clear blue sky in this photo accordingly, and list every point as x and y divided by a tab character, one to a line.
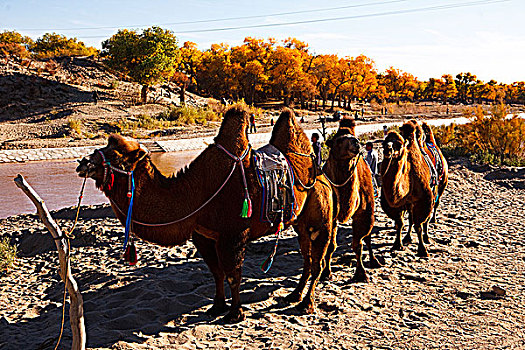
487	40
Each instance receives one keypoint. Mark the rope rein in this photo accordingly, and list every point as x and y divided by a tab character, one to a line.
312	157
354	166
237	161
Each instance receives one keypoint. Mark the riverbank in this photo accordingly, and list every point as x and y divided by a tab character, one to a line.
444	301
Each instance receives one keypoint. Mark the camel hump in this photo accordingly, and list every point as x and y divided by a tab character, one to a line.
428	132
408	130
121	143
237	110
287	113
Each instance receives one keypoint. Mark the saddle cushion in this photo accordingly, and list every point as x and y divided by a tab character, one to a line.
276	179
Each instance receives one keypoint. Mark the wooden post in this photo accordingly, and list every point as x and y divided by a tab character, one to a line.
76	307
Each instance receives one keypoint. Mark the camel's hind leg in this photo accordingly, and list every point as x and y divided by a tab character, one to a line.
231	250
206	248
421	249
305	244
425	233
408	237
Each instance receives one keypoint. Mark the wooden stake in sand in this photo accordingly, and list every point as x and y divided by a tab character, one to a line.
76	308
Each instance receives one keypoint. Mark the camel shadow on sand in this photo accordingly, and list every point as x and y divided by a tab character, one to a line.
163	299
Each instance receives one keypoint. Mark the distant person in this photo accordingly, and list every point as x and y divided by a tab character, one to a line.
95	96
317	147
253	128
271	122
337	115
385	130
302	119
372	159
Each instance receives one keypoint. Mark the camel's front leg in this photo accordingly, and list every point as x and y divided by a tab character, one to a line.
231	250
206	248
398	227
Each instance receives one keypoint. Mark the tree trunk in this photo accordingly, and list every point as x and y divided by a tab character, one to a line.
76	308
144	93
182	96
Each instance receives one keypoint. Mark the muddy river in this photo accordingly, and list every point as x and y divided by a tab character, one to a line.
58	184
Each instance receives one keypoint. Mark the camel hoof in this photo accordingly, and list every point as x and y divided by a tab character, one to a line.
397	247
234	316
293	297
407	240
306	307
375	264
217	309
422	252
360	278
326	275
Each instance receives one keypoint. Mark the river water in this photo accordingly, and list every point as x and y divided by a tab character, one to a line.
59	185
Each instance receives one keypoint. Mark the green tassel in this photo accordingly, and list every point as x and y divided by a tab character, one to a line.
245	206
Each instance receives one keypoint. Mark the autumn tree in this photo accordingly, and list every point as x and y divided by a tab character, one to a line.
13	43
214	75
448	88
148	57
57	45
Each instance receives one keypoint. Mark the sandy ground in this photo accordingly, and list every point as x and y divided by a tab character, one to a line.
411	303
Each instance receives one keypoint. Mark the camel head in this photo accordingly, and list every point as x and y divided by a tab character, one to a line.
233	133
344	144
411	131
287	133
119	152
394	145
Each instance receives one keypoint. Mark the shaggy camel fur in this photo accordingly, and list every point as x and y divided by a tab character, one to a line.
406	184
219	232
352	182
443	177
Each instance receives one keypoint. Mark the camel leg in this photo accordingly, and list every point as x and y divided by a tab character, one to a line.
408	237
305	244
425	232
421	249
399	227
231	250
319	246
366	224
326	275
206	248
433	220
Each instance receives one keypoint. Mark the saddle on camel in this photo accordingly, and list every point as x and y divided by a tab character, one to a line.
216	201
351	179
406	185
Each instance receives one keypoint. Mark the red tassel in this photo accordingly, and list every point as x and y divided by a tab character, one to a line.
249	207
131	254
111	181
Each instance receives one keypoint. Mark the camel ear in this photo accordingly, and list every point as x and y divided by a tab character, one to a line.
136	155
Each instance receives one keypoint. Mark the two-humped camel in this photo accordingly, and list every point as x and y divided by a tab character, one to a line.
352	182
170	210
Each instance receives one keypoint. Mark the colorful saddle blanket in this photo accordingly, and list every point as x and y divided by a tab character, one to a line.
277	181
434	162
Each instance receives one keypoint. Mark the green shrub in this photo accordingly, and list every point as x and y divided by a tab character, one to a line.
190	115
7	254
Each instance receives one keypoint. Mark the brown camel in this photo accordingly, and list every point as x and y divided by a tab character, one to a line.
202	201
352	182
406	184
432	149
315	224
